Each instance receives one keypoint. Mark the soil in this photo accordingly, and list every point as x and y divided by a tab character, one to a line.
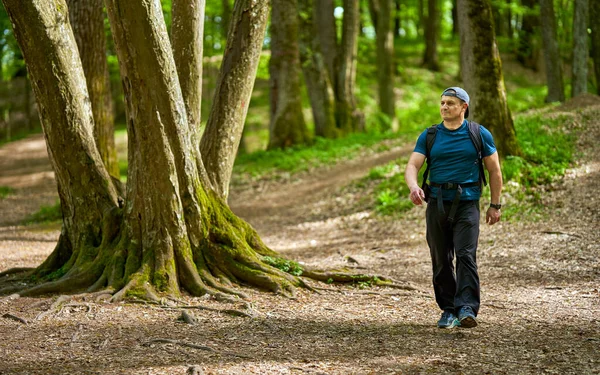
540	308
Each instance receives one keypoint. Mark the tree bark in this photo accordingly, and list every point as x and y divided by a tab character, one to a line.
318	84
595	50
225	124
482	74
552	60
287	126
225	17
580	47
187	30
432	26
385	62
348	117
528	49
87	22
325	23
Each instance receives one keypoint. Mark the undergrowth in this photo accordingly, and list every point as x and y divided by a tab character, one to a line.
5	191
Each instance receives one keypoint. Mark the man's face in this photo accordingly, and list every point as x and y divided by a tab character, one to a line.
451	108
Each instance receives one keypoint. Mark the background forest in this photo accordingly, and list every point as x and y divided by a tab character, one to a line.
394	88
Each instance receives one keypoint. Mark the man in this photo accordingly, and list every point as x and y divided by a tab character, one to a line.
453	216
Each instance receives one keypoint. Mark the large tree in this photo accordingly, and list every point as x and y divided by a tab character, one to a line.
528	48
552	61
287	126
482	73
87	22
580	47
173	230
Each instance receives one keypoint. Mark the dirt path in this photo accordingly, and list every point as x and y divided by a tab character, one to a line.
540	292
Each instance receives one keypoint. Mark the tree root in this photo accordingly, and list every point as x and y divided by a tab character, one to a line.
231	312
12	271
193	346
15	318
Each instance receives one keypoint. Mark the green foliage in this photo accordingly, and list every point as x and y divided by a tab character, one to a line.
547	148
5	191
301	158
284	265
45	214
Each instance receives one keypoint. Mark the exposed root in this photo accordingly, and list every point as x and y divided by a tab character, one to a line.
15	318
231	312
16	270
193	346
55	307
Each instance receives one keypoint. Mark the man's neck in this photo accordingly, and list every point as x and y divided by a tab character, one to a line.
454	124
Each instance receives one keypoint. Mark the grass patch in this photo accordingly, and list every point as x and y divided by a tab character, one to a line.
5	191
46	214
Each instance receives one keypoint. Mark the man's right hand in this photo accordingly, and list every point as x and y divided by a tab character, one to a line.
417	195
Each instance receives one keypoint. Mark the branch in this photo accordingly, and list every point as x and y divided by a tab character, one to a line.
14	317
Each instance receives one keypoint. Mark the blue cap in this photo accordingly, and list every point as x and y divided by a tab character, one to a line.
458	93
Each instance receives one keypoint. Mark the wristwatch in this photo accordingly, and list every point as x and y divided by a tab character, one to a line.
496	206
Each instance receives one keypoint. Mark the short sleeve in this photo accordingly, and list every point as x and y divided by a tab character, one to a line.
489	147
421	146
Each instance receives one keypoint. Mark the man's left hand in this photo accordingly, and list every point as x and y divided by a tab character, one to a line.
492	216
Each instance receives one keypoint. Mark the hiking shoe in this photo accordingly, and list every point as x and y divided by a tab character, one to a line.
466	317
448	320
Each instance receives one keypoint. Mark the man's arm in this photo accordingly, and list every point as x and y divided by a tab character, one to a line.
410	176
492	164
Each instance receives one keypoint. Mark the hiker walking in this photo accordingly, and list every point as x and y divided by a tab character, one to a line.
456	151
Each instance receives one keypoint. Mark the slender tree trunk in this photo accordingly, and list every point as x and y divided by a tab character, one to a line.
432	26
87	22
221	138
421	17
287	126
455	24
318	84
482	74
580	47
327	35
348	117
528	50
552	61
187	31
385	62
225	17
595	50
397	19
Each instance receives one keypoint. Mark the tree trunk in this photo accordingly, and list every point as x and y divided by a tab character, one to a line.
397	19
580	47
225	124
482	74
173	232
318	84
348	117
287	126
528	49
595	50
325	23
225	17
455	24
87	22
552	61
432	26
385	62
187	32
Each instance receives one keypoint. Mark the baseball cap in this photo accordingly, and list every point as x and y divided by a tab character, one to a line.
458	93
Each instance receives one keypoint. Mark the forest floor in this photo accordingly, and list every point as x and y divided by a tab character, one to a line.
540	309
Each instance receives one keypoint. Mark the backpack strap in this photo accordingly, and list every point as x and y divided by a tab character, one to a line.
431	133
476	138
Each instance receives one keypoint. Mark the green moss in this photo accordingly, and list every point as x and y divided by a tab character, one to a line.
285	265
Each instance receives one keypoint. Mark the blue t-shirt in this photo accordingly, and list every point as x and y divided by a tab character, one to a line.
454	159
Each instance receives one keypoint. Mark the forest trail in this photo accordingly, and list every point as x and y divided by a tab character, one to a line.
540	291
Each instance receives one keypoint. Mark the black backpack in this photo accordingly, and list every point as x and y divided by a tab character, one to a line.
474	133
